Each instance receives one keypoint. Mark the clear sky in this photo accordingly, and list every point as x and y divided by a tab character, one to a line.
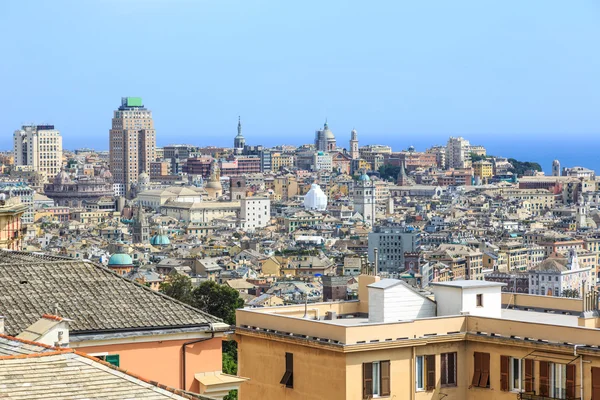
405	72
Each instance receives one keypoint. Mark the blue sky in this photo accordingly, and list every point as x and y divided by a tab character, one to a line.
402	72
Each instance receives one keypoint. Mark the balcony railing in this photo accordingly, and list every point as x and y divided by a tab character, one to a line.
529	396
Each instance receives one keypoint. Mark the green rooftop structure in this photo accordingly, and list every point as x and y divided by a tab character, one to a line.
134	102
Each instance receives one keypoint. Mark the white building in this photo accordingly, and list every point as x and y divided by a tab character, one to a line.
255	212
364	198
315	199
478	298
554	275
38	147
457	153
322	162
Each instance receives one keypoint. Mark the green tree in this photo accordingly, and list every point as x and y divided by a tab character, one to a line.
476	157
218	300
179	287
519	167
389	172
572	293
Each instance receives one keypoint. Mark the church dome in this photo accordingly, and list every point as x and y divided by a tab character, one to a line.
120	260
144	178
62	178
214	184
160	240
315	199
364	177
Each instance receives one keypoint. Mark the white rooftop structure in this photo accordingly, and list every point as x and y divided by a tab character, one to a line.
315	199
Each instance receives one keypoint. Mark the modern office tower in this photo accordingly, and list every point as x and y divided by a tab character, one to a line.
38	148
132	142
457	153
354	153
392	241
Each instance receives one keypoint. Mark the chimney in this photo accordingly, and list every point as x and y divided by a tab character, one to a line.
1	325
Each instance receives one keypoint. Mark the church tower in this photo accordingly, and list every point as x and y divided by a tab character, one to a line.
364	198
141	227
555	168
354	154
239	142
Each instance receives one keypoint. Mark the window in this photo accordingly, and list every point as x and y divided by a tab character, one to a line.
420	361
113	359
376	379
288	376
481	373
448	369
557	380
480	300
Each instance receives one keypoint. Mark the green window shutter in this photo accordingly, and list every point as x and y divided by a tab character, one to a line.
112	359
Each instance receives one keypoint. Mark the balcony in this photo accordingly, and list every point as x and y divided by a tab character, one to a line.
530	396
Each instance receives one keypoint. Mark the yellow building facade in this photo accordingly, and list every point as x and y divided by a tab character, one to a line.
326	351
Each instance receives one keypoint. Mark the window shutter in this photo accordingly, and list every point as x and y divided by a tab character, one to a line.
477	369
544	378
504	361
367	380
570	381
385	378
113	359
444	368
595	383
430	364
485	370
528	375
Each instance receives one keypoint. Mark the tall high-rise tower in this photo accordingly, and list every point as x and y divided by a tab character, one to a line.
239	142
364	198
555	168
38	147
354	154
132	142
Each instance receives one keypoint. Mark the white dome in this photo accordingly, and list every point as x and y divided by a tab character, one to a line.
315	199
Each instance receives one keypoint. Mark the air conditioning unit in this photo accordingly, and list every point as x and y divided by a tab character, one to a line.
330	315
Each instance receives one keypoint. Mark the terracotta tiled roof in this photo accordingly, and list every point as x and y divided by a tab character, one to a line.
95	298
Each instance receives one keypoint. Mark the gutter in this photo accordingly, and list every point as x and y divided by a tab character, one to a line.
183	346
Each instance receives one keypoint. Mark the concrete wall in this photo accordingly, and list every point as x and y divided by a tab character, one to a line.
456	300
318	374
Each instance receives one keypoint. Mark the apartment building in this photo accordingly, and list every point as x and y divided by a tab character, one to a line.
388	243
467	341
38	148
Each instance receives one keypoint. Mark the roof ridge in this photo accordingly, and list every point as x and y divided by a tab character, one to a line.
30	342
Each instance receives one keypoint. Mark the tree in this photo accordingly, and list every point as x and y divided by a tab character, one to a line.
572	293
520	167
476	157
218	300
389	172
179	287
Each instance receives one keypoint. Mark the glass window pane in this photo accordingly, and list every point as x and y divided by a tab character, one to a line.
376	378
420	372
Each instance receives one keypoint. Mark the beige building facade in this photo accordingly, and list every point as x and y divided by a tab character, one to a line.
38	148
132	142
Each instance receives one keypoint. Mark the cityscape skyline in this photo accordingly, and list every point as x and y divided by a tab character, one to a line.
375	69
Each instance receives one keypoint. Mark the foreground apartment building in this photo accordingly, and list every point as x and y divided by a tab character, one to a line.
467	340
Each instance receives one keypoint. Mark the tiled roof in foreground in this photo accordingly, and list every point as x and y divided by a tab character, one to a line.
69	375
95	298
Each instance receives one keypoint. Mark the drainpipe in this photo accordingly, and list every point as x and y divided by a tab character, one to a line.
183	346
580	368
